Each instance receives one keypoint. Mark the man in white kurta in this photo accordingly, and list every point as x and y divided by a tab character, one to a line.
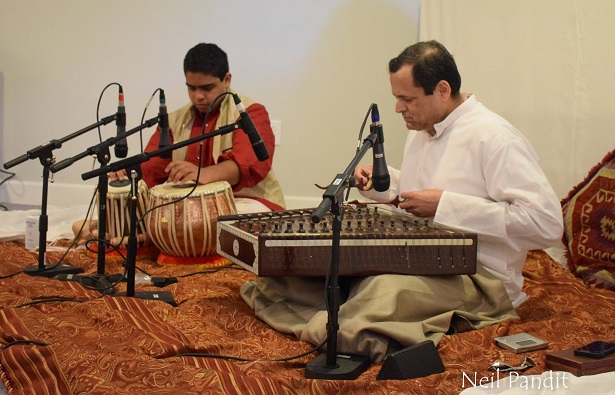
491	185
464	167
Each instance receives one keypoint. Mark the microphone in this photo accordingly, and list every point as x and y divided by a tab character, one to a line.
380	172
246	124
121	147
163	123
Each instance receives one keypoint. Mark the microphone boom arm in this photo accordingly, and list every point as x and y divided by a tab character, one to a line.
101	149
43	150
341	181
145	156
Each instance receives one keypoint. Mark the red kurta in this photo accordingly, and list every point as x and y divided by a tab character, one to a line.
252	171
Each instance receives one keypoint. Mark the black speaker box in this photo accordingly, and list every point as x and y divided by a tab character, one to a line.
415	361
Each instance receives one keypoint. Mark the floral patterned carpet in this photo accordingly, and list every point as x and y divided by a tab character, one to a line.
59	337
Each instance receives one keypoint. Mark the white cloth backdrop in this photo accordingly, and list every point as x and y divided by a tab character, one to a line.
547	66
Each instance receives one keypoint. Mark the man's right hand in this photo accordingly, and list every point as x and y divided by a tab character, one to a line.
117	175
363	177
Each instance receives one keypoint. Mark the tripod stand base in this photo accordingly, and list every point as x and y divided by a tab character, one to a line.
102	283
51	271
161	296
348	367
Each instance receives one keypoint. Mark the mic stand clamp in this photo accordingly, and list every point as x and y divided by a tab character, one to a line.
330	366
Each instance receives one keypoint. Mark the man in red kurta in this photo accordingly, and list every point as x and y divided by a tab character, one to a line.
229	157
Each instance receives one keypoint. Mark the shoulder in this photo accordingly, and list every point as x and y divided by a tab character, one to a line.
487	124
490	132
182	110
249	103
257	109
181	114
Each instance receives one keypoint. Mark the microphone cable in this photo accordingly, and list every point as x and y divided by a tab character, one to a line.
359	140
10	175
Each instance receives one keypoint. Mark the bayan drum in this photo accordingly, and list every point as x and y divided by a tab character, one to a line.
183	225
118	221
118	212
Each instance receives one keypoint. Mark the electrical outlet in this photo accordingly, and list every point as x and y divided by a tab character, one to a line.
276	126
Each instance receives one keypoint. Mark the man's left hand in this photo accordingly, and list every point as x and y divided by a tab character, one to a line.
421	203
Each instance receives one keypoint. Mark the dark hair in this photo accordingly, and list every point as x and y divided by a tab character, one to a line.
431	63
207	59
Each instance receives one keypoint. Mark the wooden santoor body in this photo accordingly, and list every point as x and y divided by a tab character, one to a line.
372	241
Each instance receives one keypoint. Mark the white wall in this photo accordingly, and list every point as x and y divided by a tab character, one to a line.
547	66
316	65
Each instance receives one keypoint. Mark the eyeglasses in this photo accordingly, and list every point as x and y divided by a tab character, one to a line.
504	367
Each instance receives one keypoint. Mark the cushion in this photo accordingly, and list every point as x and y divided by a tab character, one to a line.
589	226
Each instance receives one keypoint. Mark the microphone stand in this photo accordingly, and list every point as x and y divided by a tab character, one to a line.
102	153
330	366
45	155
132	166
131	256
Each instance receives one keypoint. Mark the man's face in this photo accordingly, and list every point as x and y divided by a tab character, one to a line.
204	88
420	111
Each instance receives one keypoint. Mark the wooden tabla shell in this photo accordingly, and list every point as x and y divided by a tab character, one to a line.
187	228
118	212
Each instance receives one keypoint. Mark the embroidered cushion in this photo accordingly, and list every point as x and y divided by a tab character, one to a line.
589	226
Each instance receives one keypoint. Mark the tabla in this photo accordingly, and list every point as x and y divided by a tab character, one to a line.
187	227
118	212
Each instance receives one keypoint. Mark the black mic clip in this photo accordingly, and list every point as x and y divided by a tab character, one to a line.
380	172
163	124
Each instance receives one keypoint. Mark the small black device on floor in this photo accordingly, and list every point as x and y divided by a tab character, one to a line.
597	349
420	360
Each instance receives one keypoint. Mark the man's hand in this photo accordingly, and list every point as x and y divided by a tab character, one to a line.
421	203
181	172
117	175
363	177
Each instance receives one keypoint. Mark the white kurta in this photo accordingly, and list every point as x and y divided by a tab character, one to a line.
493	186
